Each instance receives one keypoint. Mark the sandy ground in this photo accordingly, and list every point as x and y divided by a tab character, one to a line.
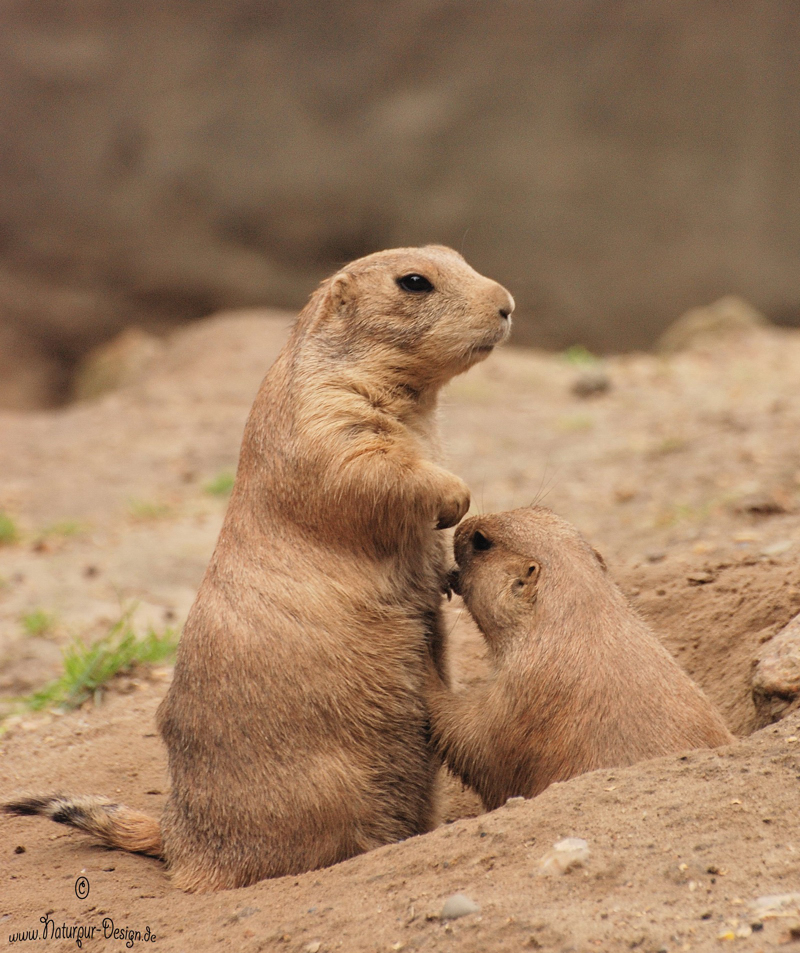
684	472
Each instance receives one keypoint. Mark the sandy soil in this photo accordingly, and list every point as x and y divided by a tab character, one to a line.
684	472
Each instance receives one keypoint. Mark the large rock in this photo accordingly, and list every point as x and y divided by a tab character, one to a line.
613	166
776	676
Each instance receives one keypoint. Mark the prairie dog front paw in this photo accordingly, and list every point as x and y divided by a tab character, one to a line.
453	504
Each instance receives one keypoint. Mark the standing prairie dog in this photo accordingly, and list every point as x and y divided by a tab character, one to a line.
296	724
578	680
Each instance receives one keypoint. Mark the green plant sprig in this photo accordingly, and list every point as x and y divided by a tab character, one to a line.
88	667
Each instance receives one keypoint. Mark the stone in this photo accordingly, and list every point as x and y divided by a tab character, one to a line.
778	548
458	905
566	855
776	678
591	383
778	904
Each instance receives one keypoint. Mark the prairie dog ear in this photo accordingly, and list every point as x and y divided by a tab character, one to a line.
342	293
526	582
600	559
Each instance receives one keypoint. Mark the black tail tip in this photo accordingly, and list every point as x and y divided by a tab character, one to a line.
30	806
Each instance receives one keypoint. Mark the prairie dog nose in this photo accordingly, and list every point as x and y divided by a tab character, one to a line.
505	303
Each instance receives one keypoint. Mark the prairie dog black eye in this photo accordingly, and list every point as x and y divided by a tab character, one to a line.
415	283
480	542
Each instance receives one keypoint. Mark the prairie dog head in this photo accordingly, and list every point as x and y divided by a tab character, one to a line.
518	567
420	311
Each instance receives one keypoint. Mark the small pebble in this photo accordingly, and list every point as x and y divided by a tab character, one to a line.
774	903
313	947
703	548
565	856
459	905
625	492
761	504
778	548
244	913
745	538
591	383
700	578
515	801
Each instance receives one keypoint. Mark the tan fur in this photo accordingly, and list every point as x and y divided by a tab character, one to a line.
579	681
296	723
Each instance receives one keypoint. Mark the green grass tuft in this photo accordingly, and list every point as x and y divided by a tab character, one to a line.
37	622
88	667
145	510
9	534
579	355
65	529
221	485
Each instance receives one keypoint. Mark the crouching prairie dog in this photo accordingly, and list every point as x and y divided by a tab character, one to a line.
578	680
296	724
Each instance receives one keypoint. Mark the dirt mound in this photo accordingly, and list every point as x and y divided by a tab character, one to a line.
679	849
683	470
178	421
714	617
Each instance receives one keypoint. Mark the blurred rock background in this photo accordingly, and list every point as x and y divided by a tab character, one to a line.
612	163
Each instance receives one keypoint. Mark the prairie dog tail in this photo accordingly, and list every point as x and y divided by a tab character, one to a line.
113	824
